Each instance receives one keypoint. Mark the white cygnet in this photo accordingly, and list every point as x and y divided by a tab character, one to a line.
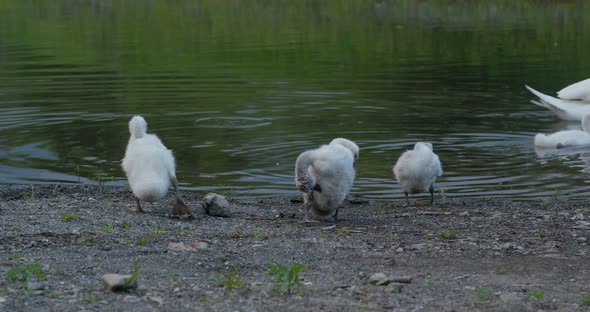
416	170
566	138
325	176
150	167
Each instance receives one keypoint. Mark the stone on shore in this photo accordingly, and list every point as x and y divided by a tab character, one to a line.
217	205
118	282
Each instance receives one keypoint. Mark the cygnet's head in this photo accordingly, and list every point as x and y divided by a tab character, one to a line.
423	145
586	123
137	126
348	144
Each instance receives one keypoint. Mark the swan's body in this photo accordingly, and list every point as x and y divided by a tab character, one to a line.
416	170
149	166
573	101
566	138
325	176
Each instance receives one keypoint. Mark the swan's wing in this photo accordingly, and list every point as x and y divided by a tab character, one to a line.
577	91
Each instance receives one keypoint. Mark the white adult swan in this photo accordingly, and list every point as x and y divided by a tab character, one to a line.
325	176
573	101
417	169
566	138
150	167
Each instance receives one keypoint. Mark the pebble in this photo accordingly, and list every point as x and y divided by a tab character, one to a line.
217	205
2	299
379	279
116	282
157	300
193	246
36	285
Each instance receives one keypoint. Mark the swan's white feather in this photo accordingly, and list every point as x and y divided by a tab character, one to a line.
577	91
562	108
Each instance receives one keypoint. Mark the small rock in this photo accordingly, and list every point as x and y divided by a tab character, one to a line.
156	300
194	246
118	282
401	279
379	279
2	299
130	299
400	249
509	298
216	205
506	246
36	285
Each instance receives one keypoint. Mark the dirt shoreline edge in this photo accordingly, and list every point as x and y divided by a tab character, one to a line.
462	255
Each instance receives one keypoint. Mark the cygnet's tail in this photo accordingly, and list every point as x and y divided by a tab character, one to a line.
305	182
137	127
541	140
149	190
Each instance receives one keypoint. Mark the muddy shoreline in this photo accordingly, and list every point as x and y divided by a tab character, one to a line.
460	255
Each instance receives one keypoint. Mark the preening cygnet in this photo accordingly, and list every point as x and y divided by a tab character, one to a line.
150	167
566	138
417	169
325	176
573	101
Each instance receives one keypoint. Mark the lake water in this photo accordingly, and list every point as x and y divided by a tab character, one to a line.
239	88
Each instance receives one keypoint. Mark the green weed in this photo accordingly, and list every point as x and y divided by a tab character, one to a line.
230	281
156	230
136	266
345	230
286	277
483	293
66	217
184	232
23	273
450	234
108	228
90	298
15	256
236	235
126	226
500	270
88	239
257	235
536	294
142	240
17	229
586	300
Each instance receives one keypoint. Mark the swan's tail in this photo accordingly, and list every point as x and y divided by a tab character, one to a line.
137	127
545	99
305	182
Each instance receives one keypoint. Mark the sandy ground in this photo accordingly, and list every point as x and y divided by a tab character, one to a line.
460	255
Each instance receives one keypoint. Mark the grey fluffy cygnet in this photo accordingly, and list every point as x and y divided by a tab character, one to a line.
325	176
566	138
417	169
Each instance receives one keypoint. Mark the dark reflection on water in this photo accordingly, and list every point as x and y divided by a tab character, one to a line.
238	90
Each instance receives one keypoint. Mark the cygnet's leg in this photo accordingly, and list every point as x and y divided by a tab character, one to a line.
180	207
431	189
336	214
139	209
307	198
407	198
